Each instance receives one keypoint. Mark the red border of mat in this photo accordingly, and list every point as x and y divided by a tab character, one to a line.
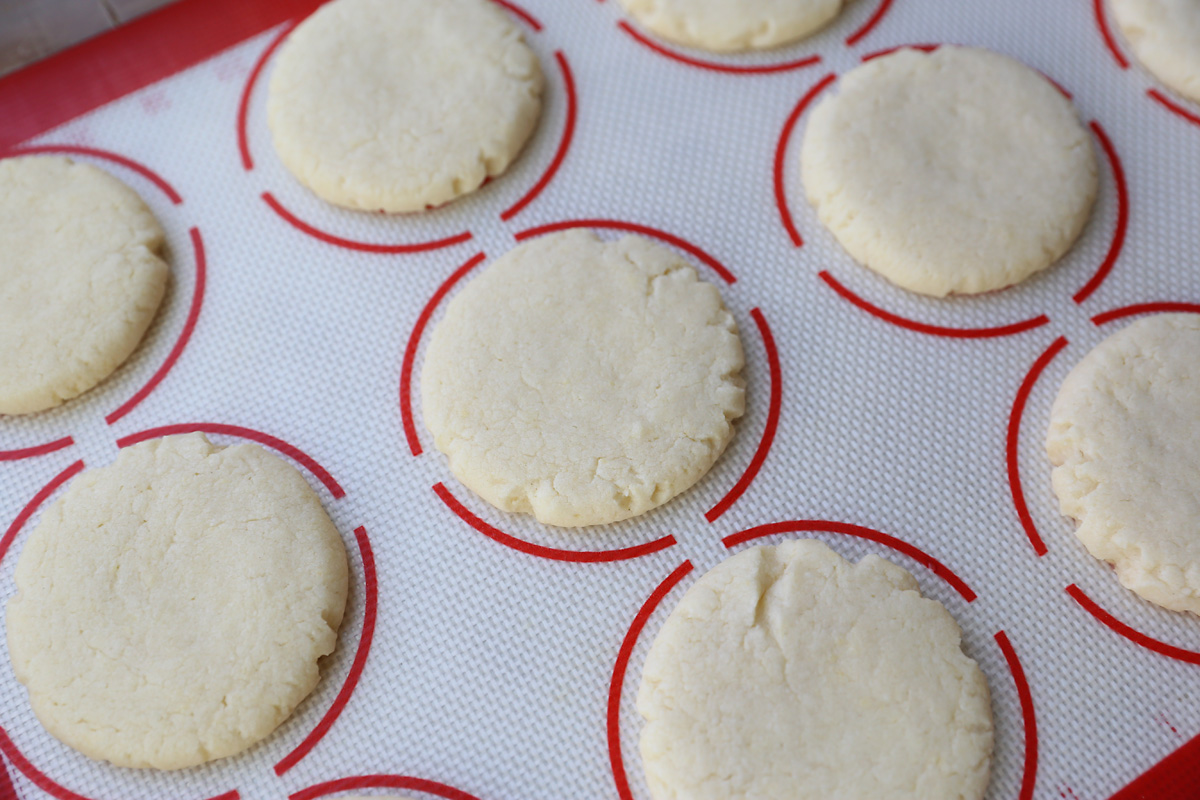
57	89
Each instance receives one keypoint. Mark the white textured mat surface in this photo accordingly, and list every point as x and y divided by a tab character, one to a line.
491	668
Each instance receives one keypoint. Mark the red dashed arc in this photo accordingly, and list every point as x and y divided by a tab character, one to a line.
370	609
37	450
861	532
51	787
292	452
1012	456
404	782
541	551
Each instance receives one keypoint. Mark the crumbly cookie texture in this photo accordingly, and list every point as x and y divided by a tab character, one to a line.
401	105
81	278
1165	37
788	672
953	172
171	607
583	381
1125	444
733	25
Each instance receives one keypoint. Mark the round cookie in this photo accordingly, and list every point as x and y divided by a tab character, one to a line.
789	672
1165	37
583	381
733	25
1124	440
953	172
171	607
81	277
401	105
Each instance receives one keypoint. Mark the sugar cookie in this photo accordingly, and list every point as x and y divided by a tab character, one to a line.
789	672
171	607
953	172
398	105
1125	443
81	278
583	381
1165	37
733	25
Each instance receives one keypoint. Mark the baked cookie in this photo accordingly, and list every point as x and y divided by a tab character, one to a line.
81	278
789	672
401	105
733	25
171	607
583	381
953	172
1165	37
1125	444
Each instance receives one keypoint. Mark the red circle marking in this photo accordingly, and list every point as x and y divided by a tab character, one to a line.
618	676
1137	637
36	450
715	66
611	224
551	553
1013	440
364	247
1173	107
185	335
360	658
564	144
382	782
858	531
516	208
870	24
785	213
1028	717
1144	308
414	342
1109	41
294	453
128	163
33	505
248	90
48	785
1118	240
768	437
932	330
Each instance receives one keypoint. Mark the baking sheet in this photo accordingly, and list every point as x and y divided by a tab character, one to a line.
490	656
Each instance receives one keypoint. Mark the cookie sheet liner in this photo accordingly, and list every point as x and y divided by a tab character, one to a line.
486	656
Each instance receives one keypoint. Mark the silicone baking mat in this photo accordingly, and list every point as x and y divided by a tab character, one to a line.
486	656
